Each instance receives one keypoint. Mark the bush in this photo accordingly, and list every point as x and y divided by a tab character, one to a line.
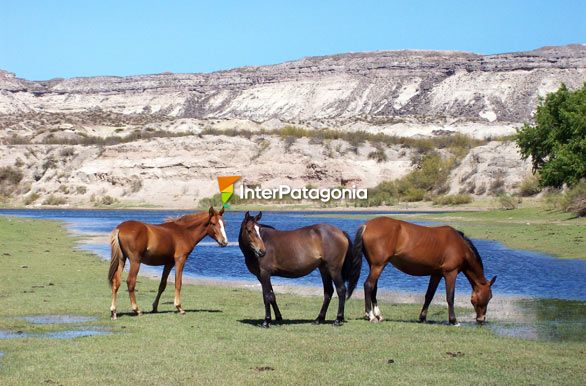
81	189
452	199
574	200
379	155
31	198
530	186
135	184
106	200
10	176
54	200
508	202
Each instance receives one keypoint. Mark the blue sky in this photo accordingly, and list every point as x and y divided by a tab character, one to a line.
48	39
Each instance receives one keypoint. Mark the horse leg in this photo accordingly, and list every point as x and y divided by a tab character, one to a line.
341	291
178	280
278	316
369	285
131	283
450	279
375	308
328	292
116	281
431	288
162	286
268	297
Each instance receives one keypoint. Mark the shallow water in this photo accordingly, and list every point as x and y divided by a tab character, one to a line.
77	333
58	319
7	334
519	272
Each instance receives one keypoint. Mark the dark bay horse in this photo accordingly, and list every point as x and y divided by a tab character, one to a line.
270	252
421	251
167	244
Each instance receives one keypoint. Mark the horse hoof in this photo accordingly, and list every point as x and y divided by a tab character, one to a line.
113	315
181	312
422	320
374	320
337	323
265	324
137	312
319	321
279	319
380	318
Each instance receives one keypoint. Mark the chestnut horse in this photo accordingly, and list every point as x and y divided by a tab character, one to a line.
421	251
167	244
296	253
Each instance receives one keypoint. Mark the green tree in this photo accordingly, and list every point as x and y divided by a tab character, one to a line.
557	141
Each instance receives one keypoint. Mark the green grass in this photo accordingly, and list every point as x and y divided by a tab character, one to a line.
218	342
557	233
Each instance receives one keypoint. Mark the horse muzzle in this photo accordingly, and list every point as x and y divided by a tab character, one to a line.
260	252
481	320
223	243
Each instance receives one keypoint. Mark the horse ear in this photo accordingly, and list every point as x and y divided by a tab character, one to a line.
247	215
221	212
258	217
491	282
211	211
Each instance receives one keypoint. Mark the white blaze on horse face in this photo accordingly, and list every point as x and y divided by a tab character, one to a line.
223	230
257	229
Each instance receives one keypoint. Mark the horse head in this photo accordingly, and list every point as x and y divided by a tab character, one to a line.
250	234
481	295
216	228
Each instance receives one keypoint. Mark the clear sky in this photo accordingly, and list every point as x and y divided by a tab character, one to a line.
48	39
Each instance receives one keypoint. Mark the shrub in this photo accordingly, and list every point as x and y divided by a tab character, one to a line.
106	200
574	200
54	200
81	189
530	186
378	155
263	145
10	176
135	184
508	202
31	198
452	199
67	152
288	142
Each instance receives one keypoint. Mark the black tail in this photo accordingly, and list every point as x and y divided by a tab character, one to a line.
351	268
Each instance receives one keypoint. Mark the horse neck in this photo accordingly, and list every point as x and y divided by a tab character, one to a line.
196	230
474	272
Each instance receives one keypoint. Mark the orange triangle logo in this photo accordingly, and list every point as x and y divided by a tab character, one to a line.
225	182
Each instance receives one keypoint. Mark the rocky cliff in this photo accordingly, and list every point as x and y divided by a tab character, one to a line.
399	92
78	141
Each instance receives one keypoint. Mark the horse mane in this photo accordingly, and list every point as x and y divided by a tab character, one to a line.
187	219
267	226
473	248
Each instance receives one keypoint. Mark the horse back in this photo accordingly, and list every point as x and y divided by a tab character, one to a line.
151	243
295	253
412	248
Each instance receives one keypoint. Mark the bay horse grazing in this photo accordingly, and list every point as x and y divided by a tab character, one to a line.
270	252
421	251
167	244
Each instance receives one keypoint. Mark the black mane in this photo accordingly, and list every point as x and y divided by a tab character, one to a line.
473	247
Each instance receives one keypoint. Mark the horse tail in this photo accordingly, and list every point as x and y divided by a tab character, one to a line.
117	255
352	267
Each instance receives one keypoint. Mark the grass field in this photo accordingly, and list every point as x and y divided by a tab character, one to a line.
557	233
218	342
